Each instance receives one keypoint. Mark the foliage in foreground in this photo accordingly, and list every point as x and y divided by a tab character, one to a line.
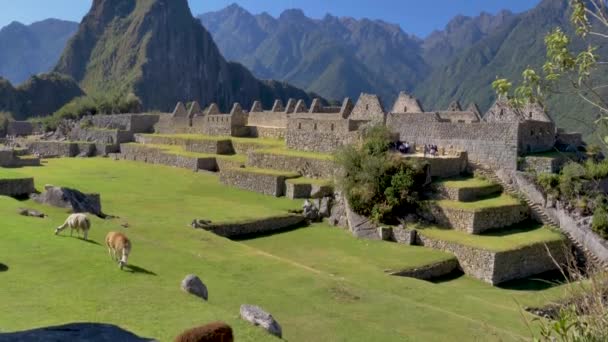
4	119
583	317
376	182
580	187
93	105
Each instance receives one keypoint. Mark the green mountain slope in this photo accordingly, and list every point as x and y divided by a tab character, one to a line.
33	49
506	53
158	51
335	57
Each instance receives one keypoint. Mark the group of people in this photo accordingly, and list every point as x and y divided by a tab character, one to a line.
406	147
430	149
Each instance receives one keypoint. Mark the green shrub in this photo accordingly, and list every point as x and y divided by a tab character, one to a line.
596	170
377	183
92	105
549	182
5	117
570	184
600	221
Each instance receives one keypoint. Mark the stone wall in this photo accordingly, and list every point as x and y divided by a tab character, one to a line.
267	119
296	190
536	136
368	108
476	221
444	166
252	227
543	164
497	267
97	135
308	167
429	272
49	149
567	139
320	135
268	184
150	155
580	233
22	128
465	194
267	132
492	144
134	123
459	116
17	187
212	146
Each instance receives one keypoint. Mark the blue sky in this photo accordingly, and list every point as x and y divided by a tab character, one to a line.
414	16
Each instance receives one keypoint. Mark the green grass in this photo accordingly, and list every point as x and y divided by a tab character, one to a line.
552	154
179	150
516	236
258	141
312	181
320	283
465	183
483	204
269	172
295	153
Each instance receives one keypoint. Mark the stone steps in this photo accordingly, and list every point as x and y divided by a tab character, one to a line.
545	219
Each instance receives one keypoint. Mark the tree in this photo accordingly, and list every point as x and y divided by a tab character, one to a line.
568	70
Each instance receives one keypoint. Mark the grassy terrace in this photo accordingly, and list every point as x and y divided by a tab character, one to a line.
488	203
519	235
465	183
552	154
260	141
312	181
294	153
320	283
269	172
179	150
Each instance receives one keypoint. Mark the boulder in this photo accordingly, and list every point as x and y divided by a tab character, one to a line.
324	205
90	332
31	213
72	199
195	286
310	211
338	213
258	317
200	224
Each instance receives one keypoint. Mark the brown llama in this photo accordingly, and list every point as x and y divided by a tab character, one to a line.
212	332
119	247
80	222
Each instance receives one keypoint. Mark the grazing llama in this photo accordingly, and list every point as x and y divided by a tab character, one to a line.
212	332
80	222
118	245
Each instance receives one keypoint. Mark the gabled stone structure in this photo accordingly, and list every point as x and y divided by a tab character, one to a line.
256	107
347	108
194	110
291	106
180	111
406	103
300	107
368	108
278	106
213	109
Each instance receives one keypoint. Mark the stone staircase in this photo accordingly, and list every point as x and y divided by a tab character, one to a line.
581	253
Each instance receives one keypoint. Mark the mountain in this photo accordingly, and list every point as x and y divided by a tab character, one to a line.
462	33
40	95
32	49
335	57
506	52
157	50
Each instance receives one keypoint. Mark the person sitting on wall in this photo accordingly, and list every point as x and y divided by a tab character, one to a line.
426	150
433	150
403	148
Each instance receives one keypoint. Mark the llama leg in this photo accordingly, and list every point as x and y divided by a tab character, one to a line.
86	234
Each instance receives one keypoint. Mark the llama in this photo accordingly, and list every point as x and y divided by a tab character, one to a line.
80	222
212	332
118	245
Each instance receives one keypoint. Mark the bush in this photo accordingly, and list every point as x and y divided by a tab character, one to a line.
5	117
549	182
377	183
600	221
92	105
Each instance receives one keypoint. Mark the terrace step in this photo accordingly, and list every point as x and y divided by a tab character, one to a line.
304	187
478	216
264	181
465	189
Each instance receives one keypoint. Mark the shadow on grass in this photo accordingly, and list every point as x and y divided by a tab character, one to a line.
447	277
538	282
137	269
271	233
3	267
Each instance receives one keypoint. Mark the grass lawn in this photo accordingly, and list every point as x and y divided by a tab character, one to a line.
488	203
465	183
312	181
319	282
179	150
269	172
260	141
295	153
518	235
